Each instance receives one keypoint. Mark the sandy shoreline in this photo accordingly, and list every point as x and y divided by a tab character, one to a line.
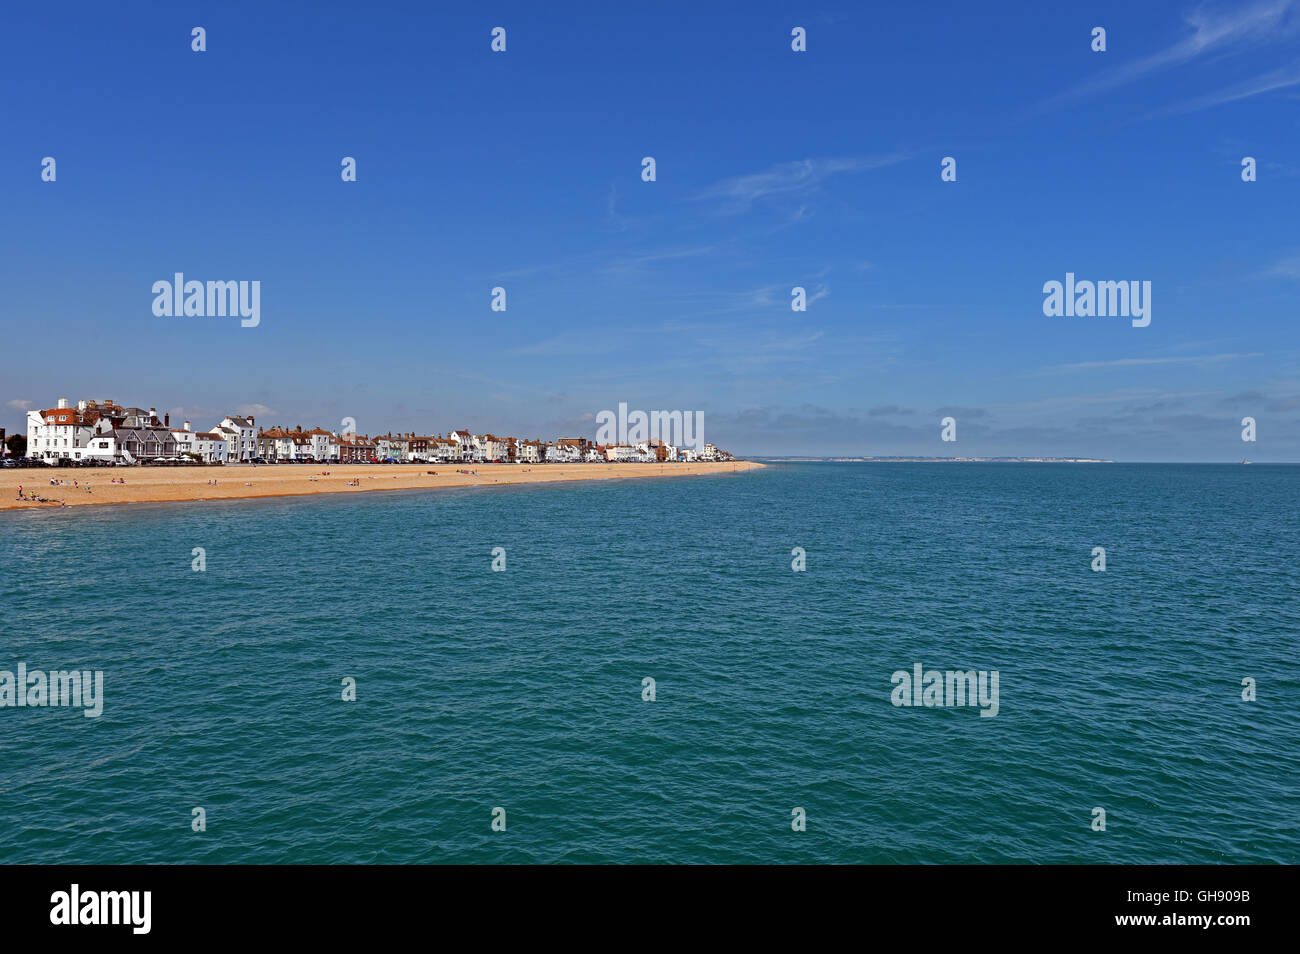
241	481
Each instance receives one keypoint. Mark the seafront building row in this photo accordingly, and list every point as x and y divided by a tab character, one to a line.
106	432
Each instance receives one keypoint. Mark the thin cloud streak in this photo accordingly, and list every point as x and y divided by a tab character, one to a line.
1212	32
739	193
1283	78
1141	362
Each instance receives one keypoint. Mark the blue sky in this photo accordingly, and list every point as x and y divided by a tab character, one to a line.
774	169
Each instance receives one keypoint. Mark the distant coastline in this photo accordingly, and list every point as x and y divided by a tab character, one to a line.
944	460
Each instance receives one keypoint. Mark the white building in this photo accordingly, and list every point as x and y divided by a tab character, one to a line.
209	447
65	431
277	444
57	432
240	436
324	445
466	446
103	447
284	448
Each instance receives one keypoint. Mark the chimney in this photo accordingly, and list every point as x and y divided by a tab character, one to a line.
251	420
167	419
81	405
187	425
63	403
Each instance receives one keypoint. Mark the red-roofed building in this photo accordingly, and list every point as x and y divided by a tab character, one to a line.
65	431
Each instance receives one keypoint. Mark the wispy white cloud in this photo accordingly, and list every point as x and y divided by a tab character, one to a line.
617	221
637	259
789	179
570	344
1283	78
19	405
762	350
258	410
1143	362
788	344
1213	31
765	296
1286	267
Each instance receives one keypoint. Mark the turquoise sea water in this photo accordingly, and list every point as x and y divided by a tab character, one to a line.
522	689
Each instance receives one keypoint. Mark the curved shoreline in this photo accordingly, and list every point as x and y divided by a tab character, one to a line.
177	484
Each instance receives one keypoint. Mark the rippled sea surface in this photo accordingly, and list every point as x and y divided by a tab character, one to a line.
523	689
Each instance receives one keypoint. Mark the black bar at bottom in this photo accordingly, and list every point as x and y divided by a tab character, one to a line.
302	903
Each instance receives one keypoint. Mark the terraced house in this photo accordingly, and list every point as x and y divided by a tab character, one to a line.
493	448
240	437
388	446
356	449
143	443
208	447
445	449
466	446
